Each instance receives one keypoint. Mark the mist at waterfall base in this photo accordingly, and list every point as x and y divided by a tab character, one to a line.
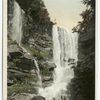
64	49
64	56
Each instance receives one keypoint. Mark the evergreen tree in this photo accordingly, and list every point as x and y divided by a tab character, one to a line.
82	86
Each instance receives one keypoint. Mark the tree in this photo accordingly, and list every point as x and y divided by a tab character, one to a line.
82	86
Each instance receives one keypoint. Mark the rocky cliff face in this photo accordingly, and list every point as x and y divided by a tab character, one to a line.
82	86
37	40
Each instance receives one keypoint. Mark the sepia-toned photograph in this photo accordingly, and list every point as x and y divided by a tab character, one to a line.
50	49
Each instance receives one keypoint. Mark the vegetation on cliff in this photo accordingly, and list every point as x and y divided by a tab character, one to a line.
36	39
82	86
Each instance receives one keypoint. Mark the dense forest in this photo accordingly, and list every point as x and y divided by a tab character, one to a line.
82	86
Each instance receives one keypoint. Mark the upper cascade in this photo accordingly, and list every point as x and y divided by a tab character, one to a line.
64	56
17	23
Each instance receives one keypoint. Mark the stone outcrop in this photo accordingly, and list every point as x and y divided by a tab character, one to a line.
38	98
22	96
37	40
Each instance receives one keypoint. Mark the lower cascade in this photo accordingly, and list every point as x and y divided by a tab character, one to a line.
38	73
17	32
64	57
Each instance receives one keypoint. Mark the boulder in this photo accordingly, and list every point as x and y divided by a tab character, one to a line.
38	98
49	64
47	78
14	51
22	96
25	64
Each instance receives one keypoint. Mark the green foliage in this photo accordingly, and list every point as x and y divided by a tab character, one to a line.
21	88
88	19
36	17
90	3
45	71
36	53
21	77
82	86
22	82
36	23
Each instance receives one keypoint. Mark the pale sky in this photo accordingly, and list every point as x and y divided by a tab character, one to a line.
66	12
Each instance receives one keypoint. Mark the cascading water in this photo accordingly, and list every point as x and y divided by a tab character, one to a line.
64	51
64	56
38	73
17	24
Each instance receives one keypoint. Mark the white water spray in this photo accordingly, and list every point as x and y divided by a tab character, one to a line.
64	50
38	73
17	23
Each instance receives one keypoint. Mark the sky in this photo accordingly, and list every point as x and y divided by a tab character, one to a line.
66	12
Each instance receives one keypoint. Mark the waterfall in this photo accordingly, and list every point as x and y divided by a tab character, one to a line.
38	73
17	21
65	56
17	24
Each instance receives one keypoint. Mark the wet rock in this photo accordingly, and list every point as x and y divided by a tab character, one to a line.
71	60
14	51
38	98
50	65
37	42
47	83
14	48
10	82
27	56
14	55
22	96
25	64
46	78
31	41
52	68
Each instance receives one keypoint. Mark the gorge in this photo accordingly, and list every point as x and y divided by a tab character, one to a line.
42	57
